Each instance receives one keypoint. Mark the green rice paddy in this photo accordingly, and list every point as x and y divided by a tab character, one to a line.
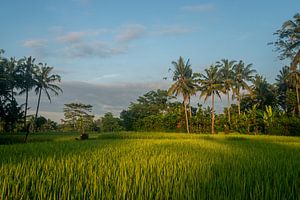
151	166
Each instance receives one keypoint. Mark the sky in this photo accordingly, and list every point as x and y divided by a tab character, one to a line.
110	52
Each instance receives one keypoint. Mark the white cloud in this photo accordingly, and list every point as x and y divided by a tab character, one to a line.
92	49
78	36
199	8
71	37
130	32
35	43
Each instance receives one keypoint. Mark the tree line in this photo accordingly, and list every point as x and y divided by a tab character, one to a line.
259	106
253	104
19	77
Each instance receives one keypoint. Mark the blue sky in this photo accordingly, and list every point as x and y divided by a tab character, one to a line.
127	44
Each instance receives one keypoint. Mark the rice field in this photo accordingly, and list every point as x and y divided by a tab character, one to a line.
151	166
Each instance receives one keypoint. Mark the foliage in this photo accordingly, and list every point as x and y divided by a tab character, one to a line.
78	117
17	77
110	123
183	84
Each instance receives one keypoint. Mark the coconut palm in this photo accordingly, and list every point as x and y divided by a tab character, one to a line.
182	77
211	85
13	73
288	44
242	74
226	74
45	81
28	70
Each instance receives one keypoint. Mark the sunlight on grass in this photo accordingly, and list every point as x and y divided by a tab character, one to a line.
152	165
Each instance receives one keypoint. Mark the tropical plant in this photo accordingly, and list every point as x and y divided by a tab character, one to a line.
28	70
288	44
282	83
226	74
183	84
211	85
242	74
45	81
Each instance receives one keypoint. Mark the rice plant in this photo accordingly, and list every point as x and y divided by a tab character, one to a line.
153	166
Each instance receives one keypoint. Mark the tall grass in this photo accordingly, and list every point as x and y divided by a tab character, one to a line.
153	166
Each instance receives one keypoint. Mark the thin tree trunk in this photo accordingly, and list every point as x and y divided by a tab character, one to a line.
297	93
38	105
25	124
190	107
229	106
212	114
37	108
239	103
190	111
186	115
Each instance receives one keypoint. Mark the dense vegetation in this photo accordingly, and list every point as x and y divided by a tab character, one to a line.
19	77
151	166
254	106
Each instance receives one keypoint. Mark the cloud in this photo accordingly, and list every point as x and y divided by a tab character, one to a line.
130	32
172	30
71	37
39	47
78	36
92	49
199	8
35	43
106	76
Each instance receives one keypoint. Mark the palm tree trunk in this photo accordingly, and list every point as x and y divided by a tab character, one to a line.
25	115
239	103
212	114
228	109
186	115
190	111
297	93
37	108
190	107
38	105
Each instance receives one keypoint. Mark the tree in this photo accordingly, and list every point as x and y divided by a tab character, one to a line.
211	85
282	84
242	74
79	117
262	93
45	81
111	123
182	75
13	77
151	103
28	68
288	45
226	74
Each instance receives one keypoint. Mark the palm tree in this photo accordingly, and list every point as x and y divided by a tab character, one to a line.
242	74
45	81
28	70
295	76
211	85
226	74
12	70
183	83
288	44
